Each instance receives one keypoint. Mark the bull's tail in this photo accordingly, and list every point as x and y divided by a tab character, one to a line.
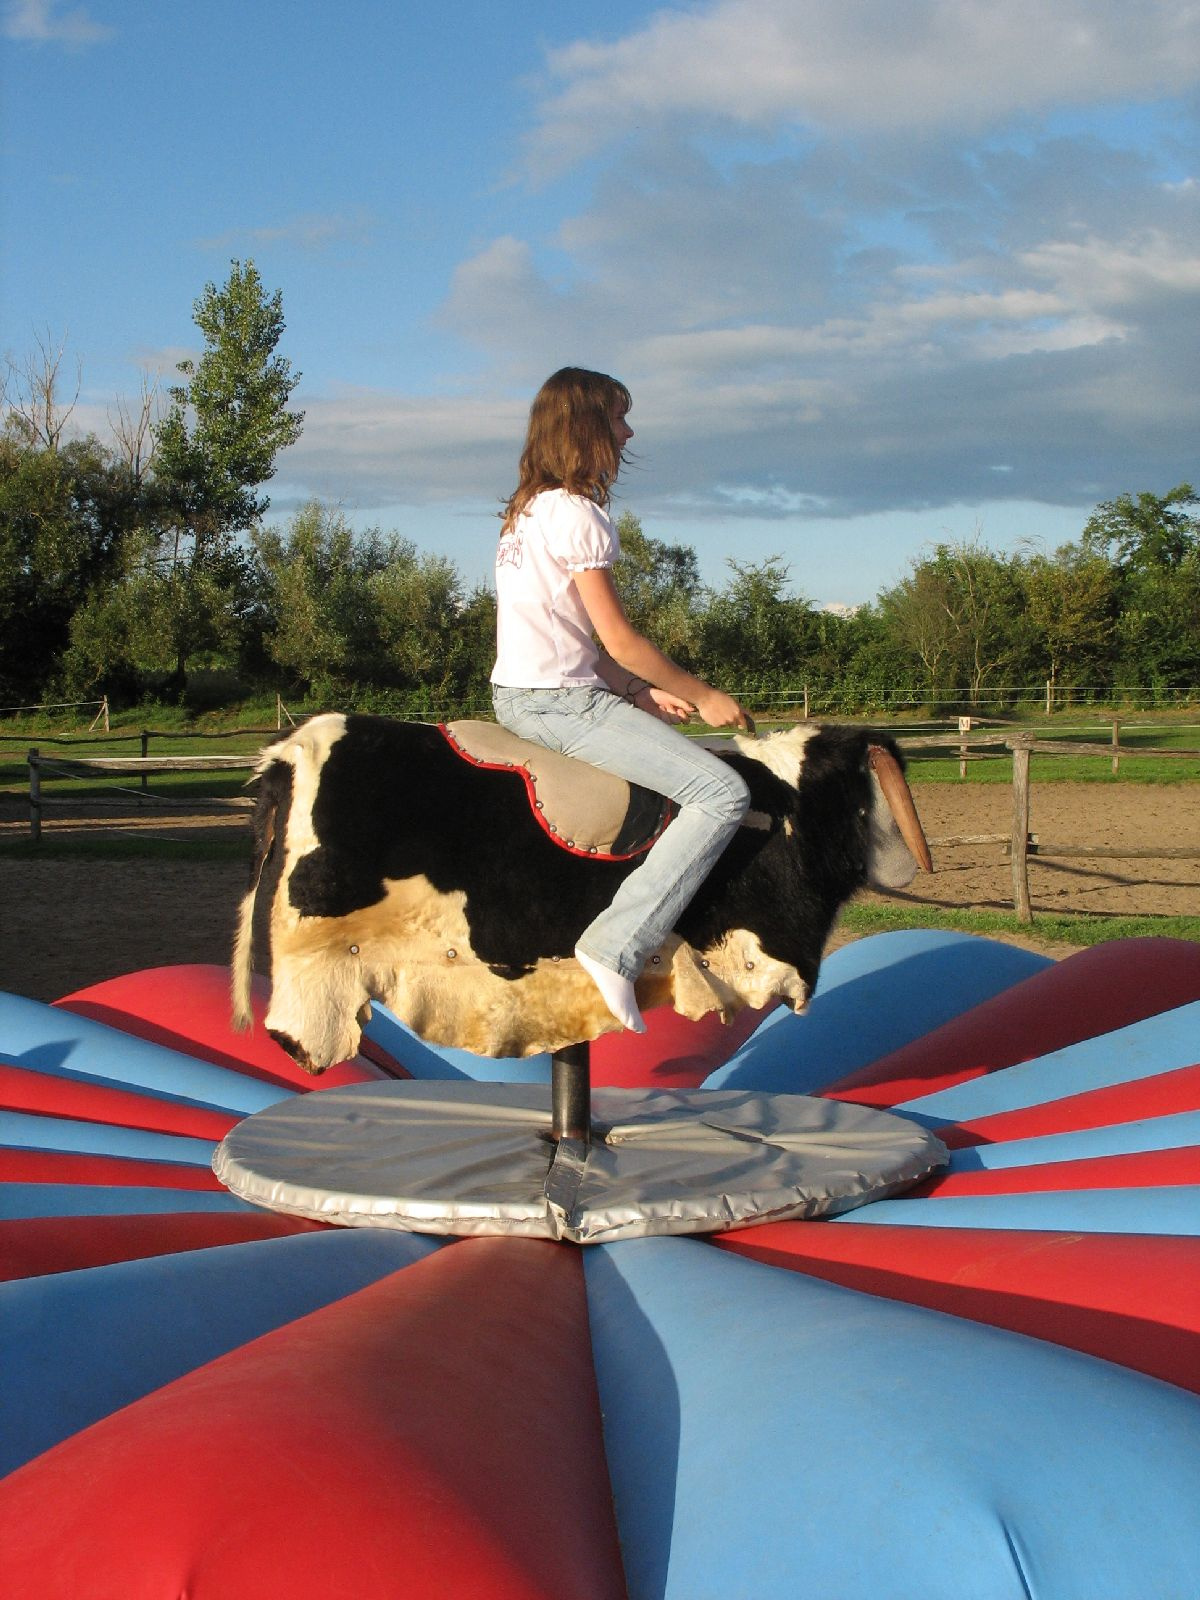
266	816
240	969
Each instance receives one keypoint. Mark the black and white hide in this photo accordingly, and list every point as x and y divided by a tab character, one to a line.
389	867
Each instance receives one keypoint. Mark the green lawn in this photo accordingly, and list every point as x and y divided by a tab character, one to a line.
861	918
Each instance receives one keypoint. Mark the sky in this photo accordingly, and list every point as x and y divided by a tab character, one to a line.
878	273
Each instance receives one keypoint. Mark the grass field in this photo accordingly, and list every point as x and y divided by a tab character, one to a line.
862	919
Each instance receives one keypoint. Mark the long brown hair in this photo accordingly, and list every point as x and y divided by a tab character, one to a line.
570	443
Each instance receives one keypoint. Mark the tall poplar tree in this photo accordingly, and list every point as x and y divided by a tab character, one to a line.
215	448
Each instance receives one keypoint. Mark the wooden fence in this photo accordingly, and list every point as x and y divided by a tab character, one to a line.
970	745
115	767
1021	843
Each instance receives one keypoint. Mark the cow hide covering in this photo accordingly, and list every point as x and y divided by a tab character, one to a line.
392	870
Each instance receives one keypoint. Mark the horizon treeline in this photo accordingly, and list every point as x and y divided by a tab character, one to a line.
96	600
142	569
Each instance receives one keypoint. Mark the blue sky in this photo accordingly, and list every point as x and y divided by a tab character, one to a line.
879	273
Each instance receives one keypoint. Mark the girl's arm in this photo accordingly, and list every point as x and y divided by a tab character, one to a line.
634	652
667	707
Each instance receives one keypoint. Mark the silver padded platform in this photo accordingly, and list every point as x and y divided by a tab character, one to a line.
476	1158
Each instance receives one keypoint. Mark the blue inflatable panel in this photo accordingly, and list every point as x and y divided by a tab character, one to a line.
434	1061
872	997
839	1444
61	1043
1173	1210
79	1345
28	1131
1174	1132
95	1200
1145	1049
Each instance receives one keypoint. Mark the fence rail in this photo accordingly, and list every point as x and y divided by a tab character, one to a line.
125	766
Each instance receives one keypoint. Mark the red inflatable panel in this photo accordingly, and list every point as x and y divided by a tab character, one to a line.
33	1247
1090	993
673	1053
70	1166
1160	1095
1131	1298
24	1090
1140	1169
436	1434
187	1008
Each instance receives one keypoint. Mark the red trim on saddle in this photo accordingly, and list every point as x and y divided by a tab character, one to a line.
551	833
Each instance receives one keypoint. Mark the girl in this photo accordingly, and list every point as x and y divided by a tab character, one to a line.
553	684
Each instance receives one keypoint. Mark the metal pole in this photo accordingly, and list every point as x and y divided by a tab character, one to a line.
571	1093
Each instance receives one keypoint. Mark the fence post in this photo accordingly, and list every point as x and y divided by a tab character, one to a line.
806	702
145	753
964	727
35	797
1116	758
1020	828
1049	696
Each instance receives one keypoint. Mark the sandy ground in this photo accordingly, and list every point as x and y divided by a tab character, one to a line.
67	924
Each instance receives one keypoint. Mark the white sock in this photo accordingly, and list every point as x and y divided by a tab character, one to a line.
616	992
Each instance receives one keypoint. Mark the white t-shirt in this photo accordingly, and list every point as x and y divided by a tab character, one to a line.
543	633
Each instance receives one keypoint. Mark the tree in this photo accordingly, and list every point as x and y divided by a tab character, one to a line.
65	516
753	629
960	614
215	446
659	585
918	614
230	420
313	587
31	392
349	614
1158	631
135	430
1154	543
1070	601
1151	531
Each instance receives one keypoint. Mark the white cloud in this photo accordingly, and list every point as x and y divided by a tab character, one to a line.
46	22
163	362
874	65
390	449
1067	361
1121	272
309	232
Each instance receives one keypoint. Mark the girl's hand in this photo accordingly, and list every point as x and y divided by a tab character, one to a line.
721	710
666	707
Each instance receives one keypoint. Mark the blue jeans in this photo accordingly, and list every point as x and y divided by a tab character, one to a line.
602	729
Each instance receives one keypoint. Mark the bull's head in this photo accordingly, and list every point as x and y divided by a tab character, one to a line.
318	1009
897	845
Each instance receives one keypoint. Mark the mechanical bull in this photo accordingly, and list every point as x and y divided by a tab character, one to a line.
448	873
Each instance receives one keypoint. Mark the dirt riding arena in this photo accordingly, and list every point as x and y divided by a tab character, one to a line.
65	924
